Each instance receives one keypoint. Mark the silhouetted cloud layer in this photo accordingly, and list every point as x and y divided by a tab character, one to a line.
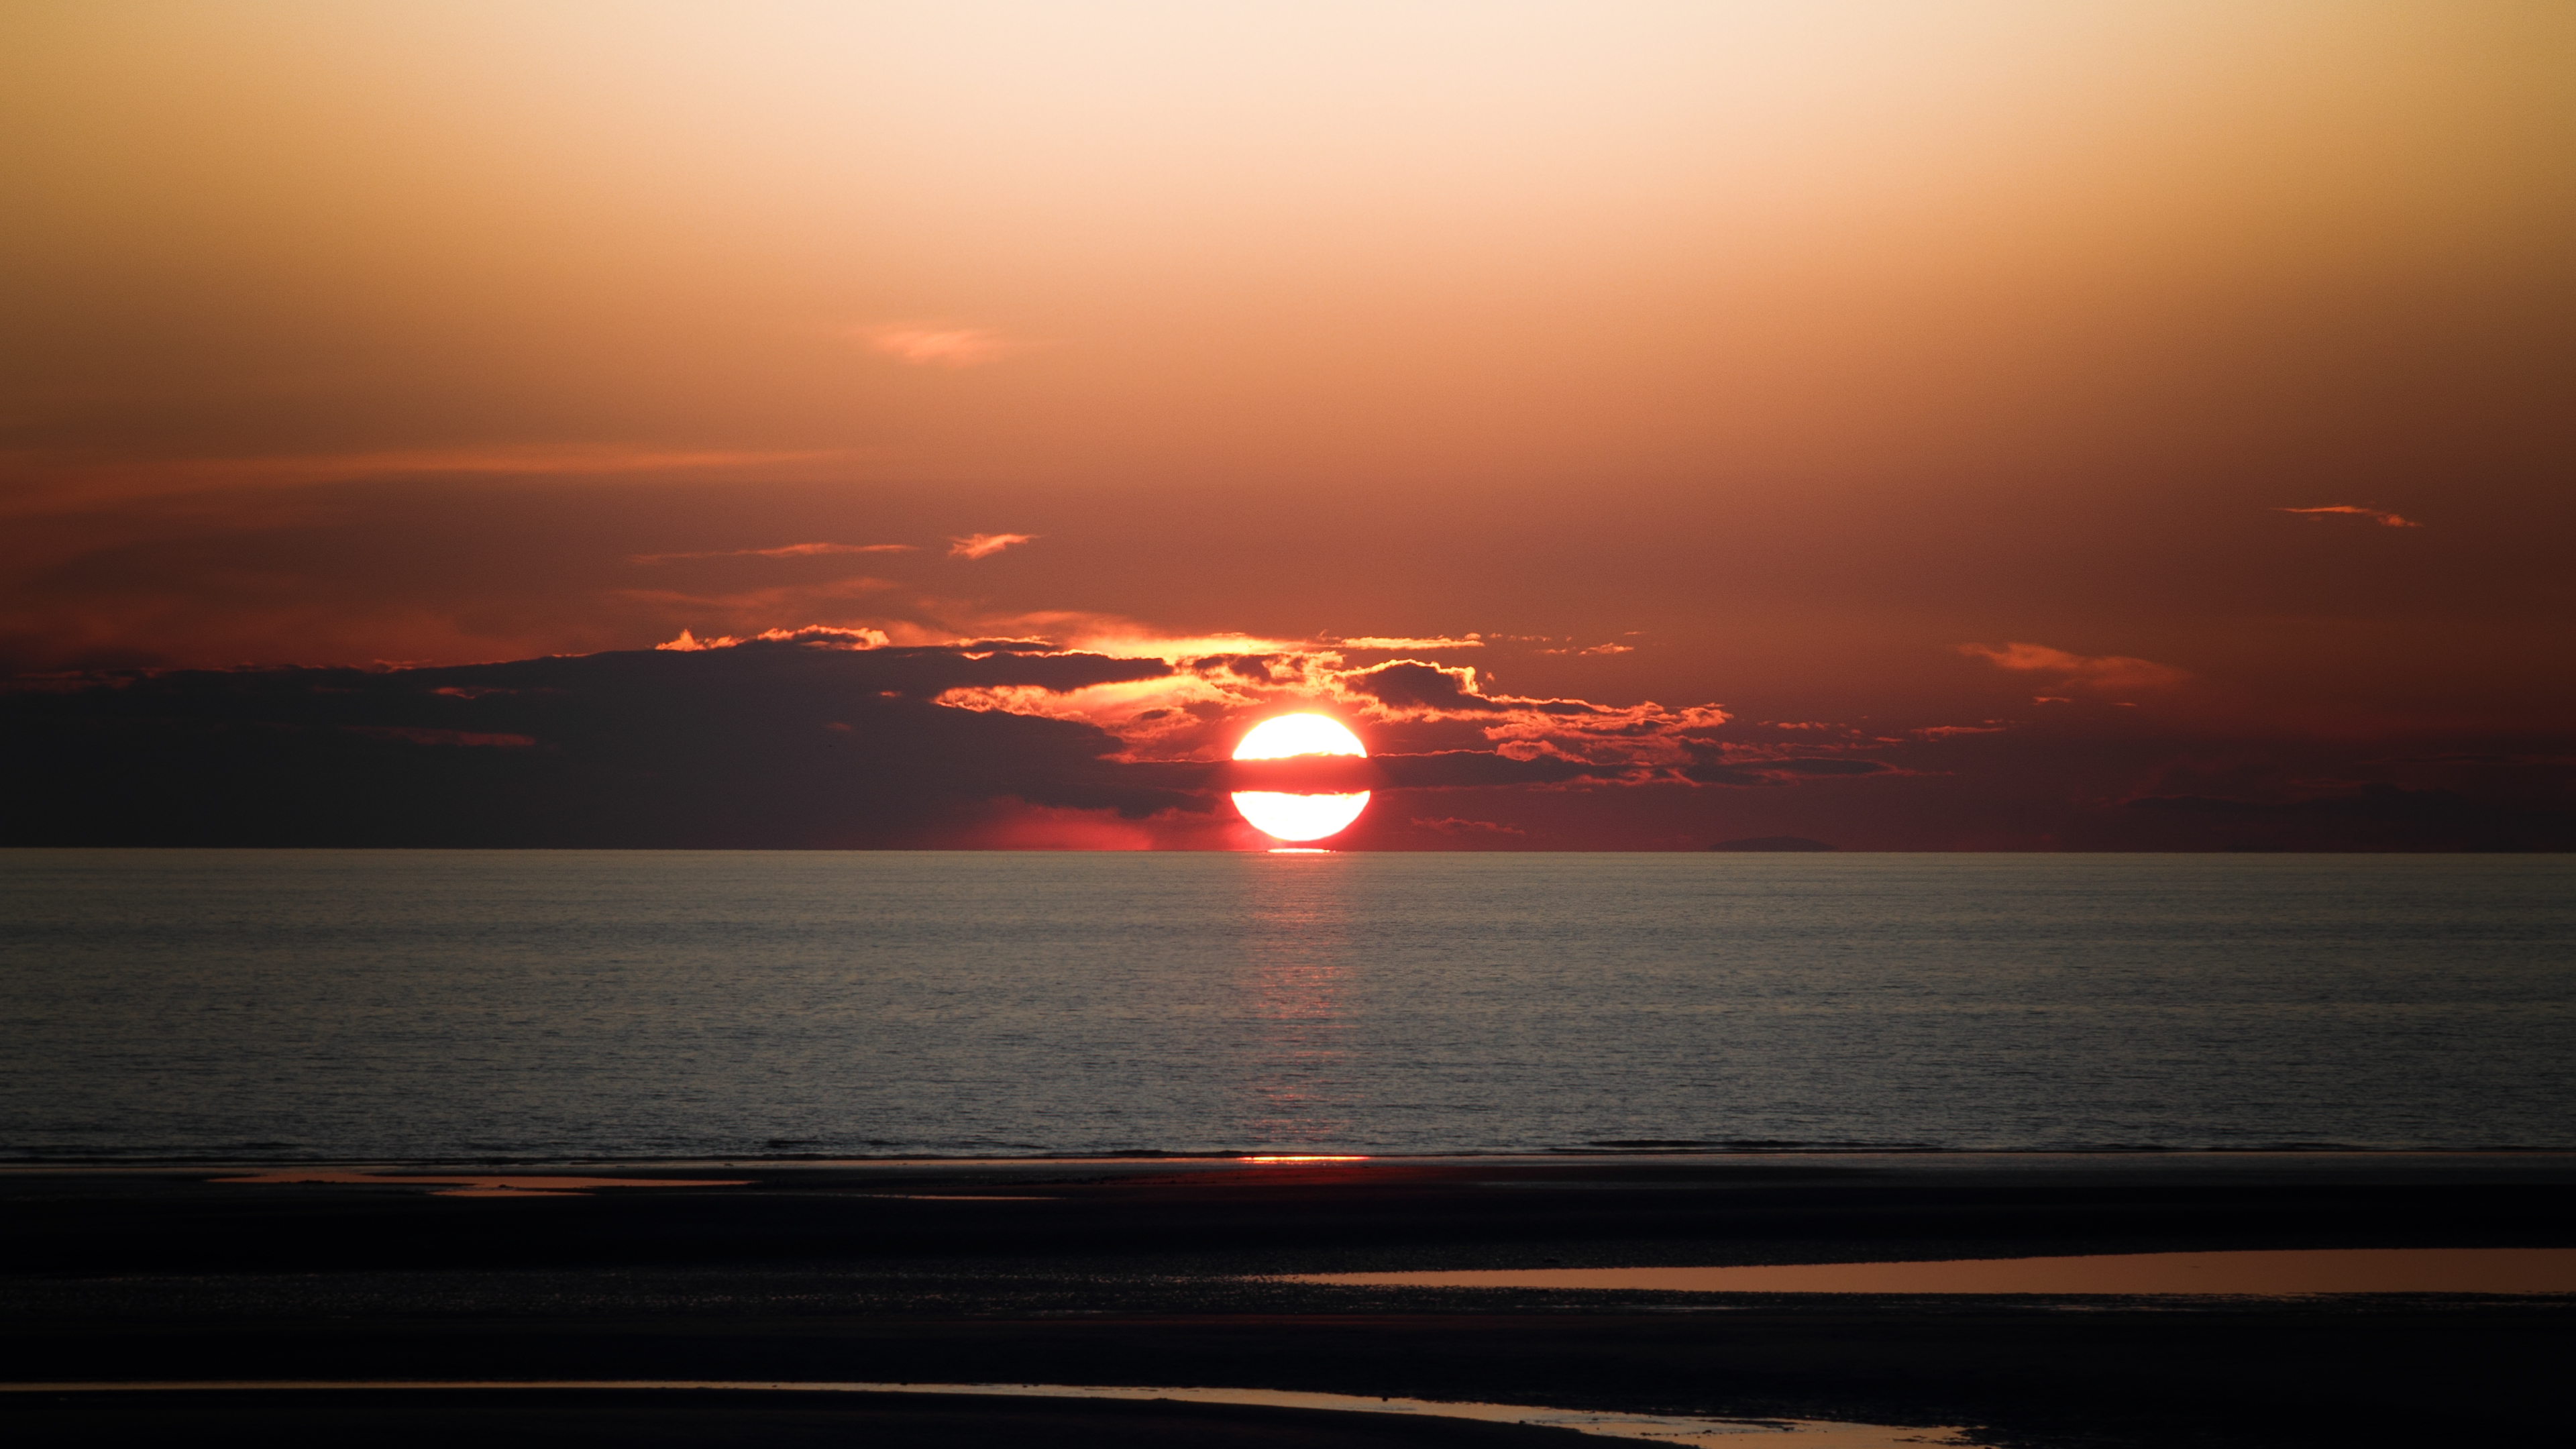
814	737
766	744
830	737
2378	816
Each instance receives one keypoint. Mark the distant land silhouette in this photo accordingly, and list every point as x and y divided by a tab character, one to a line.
1772	842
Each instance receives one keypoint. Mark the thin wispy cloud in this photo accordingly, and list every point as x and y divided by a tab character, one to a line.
822	634
1389	641
2380	516
985	545
54	481
1130	640
2100	671
1083	631
792	550
928	345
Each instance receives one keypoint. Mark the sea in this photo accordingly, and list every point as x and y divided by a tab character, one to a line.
434	1006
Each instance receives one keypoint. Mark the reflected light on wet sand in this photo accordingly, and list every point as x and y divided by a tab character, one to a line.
479	1185
1661	1428
2259	1273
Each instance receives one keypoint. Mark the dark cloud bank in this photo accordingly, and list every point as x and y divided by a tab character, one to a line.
801	744
765	745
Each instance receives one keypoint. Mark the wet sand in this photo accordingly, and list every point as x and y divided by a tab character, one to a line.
684	1394
435	1419
2276	1272
1181	1273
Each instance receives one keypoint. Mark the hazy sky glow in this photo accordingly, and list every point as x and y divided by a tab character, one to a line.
2059	407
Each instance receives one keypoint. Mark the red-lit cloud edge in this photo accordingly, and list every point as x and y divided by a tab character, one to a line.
1430	724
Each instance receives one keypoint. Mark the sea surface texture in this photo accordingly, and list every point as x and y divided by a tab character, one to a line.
248	1005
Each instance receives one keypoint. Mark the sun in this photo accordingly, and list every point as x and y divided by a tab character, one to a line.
1283	816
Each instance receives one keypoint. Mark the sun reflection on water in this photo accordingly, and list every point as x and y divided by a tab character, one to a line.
1292	1013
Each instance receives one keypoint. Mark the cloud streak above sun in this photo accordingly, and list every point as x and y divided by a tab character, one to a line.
1379	641
2097	671
2380	516
60	479
791	550
985	545
919	345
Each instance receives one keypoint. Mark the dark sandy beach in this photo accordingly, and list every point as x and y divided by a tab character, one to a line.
1161	1273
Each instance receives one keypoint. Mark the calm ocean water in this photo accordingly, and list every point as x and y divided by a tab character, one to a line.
252	1005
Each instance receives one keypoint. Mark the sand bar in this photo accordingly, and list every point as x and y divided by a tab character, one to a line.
1661	1428
2250	1273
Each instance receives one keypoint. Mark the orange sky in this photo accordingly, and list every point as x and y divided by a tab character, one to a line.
1786	348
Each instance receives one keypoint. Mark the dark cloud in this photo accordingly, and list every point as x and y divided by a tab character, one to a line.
984	664
758	745
1256	668
1409	686
1471	769
1710	772
798	741
1836	766
802	740
2376	816
1406	684
1452	825
1710	763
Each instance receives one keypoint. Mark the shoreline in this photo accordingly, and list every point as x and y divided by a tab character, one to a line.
1259	1158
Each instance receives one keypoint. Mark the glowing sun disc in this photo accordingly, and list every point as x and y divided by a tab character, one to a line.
1283	735
1299	817
1283	816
